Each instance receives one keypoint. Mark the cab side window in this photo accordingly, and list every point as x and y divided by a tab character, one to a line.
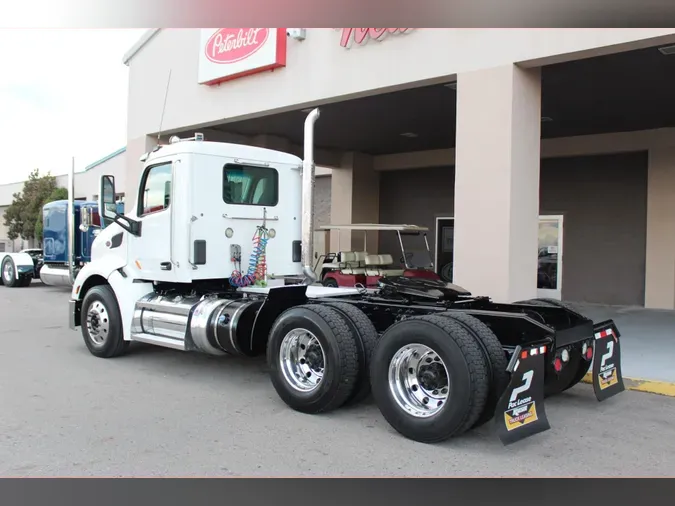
155	194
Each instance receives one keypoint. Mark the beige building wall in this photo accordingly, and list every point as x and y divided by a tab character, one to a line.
319	70
505	176
660	268
659	286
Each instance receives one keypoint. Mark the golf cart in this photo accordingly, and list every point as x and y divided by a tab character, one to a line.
361	268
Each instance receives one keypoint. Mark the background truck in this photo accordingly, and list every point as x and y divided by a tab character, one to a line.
69	228
216	257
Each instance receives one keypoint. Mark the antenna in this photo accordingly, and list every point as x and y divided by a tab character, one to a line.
166	94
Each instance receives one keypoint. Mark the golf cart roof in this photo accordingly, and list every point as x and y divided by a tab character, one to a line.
376	226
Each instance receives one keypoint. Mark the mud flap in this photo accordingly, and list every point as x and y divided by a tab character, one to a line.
520	412
607	377
278	300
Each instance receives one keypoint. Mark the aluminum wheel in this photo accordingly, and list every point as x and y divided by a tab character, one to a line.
302	360
8	271
98	325
418	380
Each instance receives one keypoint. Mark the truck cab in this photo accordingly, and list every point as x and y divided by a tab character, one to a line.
56	241
203	209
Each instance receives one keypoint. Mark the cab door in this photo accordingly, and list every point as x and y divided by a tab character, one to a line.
151	253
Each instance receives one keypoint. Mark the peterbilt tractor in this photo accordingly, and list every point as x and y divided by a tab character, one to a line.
216	257
69	228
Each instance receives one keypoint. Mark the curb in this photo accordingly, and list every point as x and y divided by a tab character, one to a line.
643	385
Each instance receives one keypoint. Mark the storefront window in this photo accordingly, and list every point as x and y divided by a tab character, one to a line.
547	273
252	186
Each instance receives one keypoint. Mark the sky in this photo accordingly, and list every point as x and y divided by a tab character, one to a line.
63	93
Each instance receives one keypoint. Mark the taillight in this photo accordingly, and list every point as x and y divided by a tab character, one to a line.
565	355
587	351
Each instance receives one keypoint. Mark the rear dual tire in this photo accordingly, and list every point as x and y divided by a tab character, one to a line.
431	378
318	356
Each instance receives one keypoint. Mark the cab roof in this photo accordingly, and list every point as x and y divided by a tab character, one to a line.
243	153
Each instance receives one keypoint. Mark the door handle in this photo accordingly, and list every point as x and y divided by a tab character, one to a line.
165	266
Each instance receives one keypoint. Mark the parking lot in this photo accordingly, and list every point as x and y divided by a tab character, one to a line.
158	412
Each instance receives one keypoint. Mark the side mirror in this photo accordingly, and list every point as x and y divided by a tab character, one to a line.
109	210
85	218
107	205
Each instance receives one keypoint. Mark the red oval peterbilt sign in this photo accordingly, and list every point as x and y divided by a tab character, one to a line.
229	45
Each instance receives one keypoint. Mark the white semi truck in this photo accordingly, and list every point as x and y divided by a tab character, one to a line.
216	257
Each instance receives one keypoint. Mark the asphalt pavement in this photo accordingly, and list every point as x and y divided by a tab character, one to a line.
159	412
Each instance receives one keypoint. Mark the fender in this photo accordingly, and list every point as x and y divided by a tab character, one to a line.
127	292
102	267
23	263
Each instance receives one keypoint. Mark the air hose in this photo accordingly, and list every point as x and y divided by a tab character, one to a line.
257	266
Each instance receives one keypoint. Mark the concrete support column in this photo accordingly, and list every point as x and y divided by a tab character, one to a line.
660	264
135	149
497	182
355	198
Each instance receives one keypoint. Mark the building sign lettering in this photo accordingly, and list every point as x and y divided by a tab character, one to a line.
230	53
361	35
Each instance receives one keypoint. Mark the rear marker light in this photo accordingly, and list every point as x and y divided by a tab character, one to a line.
565	356
557	364
604	333
523	355
589	353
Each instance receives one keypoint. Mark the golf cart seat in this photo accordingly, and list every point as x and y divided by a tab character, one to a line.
380	265
352	262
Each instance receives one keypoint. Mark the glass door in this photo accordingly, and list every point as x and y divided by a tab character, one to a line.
549	271
445	239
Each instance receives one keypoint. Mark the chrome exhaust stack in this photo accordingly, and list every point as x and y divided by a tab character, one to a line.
308	199
71	223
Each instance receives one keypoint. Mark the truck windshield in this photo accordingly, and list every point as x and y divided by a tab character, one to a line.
251	186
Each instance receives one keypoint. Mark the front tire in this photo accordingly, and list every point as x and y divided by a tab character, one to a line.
9	273
102	323
313	358
429	378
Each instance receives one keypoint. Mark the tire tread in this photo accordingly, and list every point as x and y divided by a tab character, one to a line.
476	364
495	358
368	336
347	350
120	345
